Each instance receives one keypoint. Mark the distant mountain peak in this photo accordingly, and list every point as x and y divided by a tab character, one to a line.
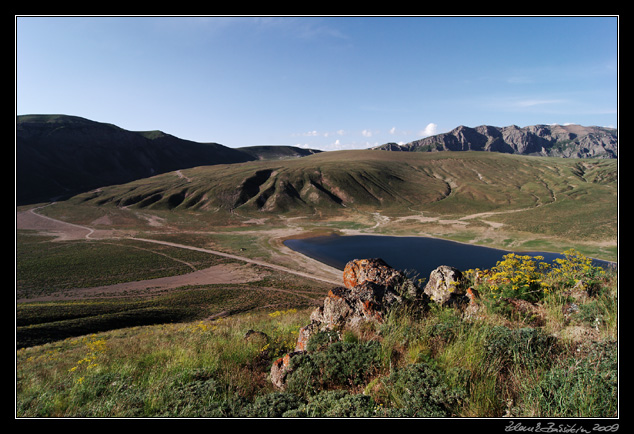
569	141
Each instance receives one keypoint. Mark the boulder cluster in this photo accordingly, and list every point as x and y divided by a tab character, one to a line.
371	290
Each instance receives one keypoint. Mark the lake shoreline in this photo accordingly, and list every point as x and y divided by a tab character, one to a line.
317	248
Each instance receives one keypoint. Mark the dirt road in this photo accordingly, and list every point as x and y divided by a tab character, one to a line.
243	259
225	273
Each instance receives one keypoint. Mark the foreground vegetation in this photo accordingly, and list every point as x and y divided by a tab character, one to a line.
542	343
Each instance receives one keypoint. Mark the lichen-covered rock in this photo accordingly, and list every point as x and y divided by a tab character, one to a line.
367	301
304	335
281	369
445	285
474	307
375	270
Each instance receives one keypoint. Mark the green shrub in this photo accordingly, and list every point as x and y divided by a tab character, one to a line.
340	364
336	403
274	404
320	340
200	397
419	390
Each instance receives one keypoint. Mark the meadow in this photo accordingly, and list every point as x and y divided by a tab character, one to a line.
557	359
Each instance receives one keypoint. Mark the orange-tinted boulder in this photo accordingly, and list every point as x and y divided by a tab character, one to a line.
359	271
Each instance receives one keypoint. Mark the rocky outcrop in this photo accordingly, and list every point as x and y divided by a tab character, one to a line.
280	369
375	270
573	141
372	289
446	285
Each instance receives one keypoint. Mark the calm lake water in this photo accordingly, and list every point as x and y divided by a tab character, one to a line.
420	255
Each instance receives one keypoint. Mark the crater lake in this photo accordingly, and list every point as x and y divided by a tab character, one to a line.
418	256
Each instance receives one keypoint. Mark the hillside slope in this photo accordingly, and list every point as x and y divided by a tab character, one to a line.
60	155
545	140
555	194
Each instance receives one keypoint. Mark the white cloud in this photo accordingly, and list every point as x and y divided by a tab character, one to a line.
366	133
429	130
392	130
534	102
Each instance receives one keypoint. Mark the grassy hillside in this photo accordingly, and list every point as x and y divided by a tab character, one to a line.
276	152
59	275
525	197
554	358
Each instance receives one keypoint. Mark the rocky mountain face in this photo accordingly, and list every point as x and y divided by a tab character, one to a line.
571	141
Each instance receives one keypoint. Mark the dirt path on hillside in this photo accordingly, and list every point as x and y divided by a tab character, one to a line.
62	231
243	259
225	273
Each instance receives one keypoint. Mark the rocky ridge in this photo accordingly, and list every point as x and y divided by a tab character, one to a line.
371	290
569	141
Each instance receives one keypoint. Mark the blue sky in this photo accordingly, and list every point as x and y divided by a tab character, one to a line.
321	82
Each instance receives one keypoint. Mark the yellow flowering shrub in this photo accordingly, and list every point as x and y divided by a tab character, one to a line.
281	312
529	278
519	276
93	348
573	268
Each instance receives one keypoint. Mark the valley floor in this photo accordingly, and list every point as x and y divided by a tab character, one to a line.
239	272
248	269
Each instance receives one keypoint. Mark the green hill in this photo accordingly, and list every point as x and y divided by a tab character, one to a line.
556	196
59	155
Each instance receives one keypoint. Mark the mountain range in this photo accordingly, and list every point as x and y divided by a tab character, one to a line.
571	141
59	155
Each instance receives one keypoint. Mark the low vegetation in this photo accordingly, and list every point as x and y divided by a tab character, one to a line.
553	356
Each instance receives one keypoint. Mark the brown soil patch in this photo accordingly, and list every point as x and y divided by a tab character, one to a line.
217	274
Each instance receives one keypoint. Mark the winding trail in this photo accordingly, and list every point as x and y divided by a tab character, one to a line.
241	258
69	231
50	226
